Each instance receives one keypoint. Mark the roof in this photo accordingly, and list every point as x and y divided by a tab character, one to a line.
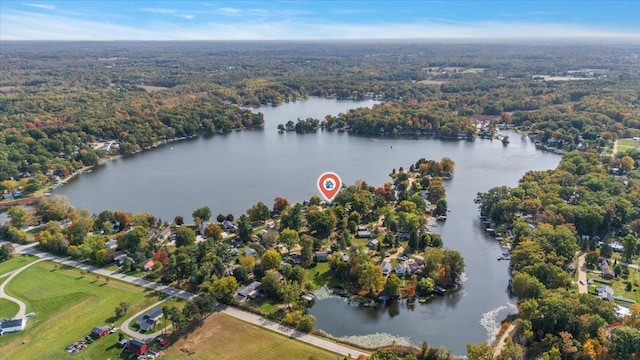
136	344
148	264
99	329
11	323
247	290
250	251
154	313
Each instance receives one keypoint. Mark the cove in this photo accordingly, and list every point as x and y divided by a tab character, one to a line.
231	172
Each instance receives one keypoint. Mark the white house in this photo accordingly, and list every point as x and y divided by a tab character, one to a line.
605	292
11	326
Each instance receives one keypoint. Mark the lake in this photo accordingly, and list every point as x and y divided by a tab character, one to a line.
231	172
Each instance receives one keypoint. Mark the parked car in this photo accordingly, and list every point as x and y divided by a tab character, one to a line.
31	314
114	329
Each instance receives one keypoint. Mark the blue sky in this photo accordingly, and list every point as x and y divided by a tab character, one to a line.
301	20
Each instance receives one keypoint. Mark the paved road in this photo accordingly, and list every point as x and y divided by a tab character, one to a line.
582	275
22	307
237	313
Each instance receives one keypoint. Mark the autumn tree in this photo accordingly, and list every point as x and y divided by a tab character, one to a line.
225	288
271	259
18	215
213	231
279	204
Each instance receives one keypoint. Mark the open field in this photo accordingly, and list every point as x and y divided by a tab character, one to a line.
619	286
68	303
627	144
8	309
15	263
224	337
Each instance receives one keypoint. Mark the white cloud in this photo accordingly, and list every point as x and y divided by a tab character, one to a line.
41	6
229	11
160	10
16	25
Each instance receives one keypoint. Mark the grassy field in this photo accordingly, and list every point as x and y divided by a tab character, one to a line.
15	262
627	144
67	305
224	337
8	309
619	286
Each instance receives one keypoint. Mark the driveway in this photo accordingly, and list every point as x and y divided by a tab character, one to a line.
583	288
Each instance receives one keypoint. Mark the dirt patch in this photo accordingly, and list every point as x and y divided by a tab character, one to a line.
432	82
152	89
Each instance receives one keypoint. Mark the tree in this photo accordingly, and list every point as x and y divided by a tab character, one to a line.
392	286
214	232
258	213
248	262
5	253
279	204
271	285
591	258
241	274
307	250
322	222
625	343
289	238
203	213
441	207
511	351
289	292
185	236
306	323
178	220
220	218
369	277
134	240
525	286
122	308
426	286
481	351
18	215
224	289
271	259
630	247
230	217
245	230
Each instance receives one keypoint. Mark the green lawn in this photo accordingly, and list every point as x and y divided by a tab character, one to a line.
8	309
16	262
627	144
619	286
68	305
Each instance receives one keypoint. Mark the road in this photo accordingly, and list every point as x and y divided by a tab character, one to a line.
582	275
173	292
22	307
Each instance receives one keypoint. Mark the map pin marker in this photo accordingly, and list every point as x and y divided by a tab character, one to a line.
329	184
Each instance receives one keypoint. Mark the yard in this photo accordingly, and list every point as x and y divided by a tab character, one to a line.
225	337
68	303
619	285
627	144
8	309
15	263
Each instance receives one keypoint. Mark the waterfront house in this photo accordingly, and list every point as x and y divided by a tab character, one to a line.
400	270
386	267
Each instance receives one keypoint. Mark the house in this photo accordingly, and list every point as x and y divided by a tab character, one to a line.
373	243
164	235
400	270
605	292
228	226
111	244
11	326
99	331
250	291
148	265
149	320
251	252
363	232
120	257
137	347
322	256
386	267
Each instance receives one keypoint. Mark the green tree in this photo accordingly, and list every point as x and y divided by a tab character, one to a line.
259	213
18	215
271	285
214	232
185	236
271	259
511	350
307	250
5	253
525	286
203	214
392	286
245	230
289	292
224	289
289	238
481	351
630	247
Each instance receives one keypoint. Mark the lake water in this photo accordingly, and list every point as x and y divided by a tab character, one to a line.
231	172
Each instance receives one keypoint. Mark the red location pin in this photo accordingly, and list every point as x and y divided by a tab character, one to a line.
329	184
